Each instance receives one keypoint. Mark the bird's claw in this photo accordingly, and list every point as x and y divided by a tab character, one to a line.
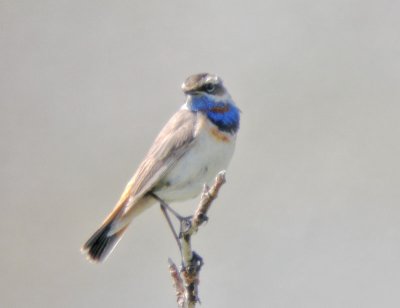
186	224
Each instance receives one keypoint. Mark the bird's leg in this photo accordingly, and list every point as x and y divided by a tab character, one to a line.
165	208
171	226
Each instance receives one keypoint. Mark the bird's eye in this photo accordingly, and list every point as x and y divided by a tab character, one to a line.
210	88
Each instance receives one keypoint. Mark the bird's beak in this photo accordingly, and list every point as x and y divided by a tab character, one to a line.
191	92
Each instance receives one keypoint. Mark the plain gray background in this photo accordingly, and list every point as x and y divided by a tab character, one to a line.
310	215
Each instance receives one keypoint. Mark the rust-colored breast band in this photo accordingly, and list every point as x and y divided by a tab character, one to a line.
219	135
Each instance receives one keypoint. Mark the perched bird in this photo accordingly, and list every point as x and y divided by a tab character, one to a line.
196	143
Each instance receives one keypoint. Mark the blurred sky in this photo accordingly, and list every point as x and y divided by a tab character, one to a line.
310	215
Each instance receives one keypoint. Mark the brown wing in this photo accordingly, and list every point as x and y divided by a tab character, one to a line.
172	142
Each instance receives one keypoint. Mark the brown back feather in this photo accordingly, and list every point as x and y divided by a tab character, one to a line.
172	142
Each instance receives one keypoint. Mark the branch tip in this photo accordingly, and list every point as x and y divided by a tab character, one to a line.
186	282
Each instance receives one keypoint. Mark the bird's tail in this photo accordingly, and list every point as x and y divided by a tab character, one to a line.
103	241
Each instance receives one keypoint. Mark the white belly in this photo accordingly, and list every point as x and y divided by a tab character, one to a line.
198	166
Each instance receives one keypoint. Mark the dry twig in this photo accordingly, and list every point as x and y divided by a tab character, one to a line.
191	261
178	284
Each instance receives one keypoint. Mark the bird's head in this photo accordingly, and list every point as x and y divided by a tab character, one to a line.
206	94
208	85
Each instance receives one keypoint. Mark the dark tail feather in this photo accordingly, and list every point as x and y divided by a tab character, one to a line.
101	243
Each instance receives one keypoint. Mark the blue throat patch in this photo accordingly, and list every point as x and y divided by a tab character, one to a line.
224	115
